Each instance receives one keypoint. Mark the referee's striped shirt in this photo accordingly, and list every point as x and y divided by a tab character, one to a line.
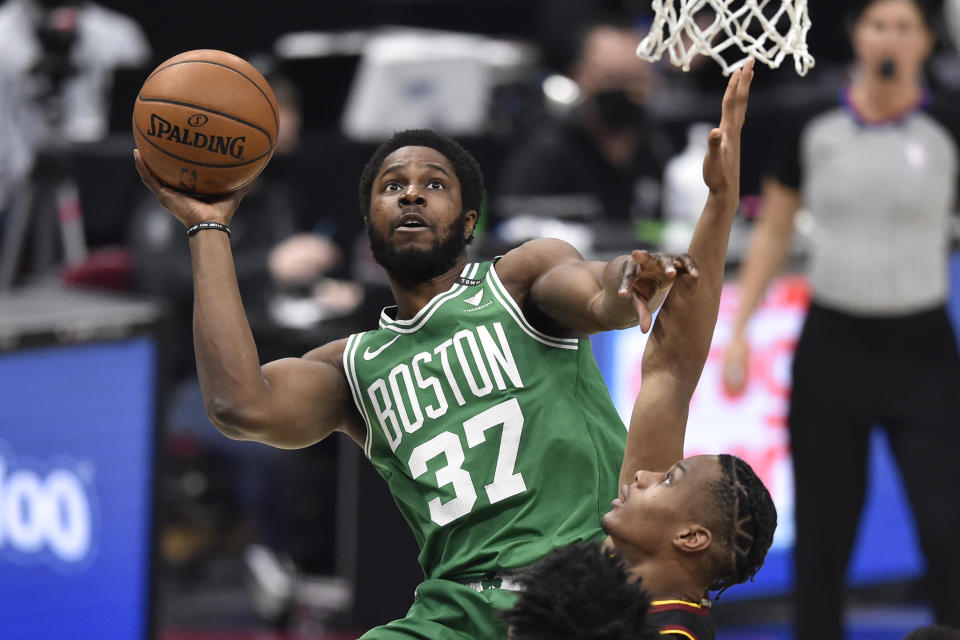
880	195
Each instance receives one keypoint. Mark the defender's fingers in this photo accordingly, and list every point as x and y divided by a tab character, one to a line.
626	279
743	87
646	318
640	257
731	86
715	137
686	264
666	265
738	88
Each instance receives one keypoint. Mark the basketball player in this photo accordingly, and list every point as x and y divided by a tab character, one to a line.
578	592
478	399
686	526
704	523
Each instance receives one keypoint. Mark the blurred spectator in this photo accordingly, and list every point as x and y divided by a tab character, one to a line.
559	25
57	59
56	63
877	169
601	161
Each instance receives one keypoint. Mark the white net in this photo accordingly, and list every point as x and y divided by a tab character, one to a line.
768	30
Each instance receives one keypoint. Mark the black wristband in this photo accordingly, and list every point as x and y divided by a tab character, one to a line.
200	226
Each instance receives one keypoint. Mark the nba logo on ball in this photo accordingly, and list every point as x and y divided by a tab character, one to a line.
206	122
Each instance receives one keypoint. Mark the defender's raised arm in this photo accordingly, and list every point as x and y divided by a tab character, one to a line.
680	340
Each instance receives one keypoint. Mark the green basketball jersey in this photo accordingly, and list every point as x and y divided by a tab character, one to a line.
498	442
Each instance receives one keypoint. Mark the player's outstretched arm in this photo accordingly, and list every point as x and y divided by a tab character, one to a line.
289	403
584	296
680	340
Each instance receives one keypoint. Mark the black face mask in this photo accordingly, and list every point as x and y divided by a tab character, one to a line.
618	112
887	69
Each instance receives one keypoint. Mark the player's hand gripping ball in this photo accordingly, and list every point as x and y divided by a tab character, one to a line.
205	122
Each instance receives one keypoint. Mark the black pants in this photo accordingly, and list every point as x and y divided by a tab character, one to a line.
849	375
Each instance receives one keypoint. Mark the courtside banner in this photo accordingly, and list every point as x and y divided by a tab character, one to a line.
76	466
753	425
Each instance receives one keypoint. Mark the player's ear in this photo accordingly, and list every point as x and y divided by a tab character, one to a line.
692	538
469	222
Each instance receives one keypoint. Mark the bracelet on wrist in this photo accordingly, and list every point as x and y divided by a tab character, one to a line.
200	226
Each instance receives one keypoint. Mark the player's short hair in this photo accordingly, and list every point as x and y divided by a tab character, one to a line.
746	519
579	592
464	165
939	632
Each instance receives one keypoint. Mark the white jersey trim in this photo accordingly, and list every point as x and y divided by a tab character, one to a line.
349	354
422	316
511	306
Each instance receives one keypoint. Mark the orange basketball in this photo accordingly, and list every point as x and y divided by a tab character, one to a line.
205	122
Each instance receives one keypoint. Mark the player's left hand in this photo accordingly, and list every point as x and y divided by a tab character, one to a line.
721	166
647	277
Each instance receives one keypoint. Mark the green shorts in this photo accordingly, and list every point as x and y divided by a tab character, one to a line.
447	610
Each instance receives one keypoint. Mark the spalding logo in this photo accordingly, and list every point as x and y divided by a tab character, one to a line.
46	516
222	145
197	120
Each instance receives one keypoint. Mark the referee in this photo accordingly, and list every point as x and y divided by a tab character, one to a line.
877	169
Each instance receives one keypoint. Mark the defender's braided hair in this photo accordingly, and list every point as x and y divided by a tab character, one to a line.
579	592
748	521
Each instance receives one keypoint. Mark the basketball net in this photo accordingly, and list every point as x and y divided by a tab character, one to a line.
752	25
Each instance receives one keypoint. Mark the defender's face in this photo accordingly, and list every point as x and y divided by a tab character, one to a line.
894	31
416	200
650	510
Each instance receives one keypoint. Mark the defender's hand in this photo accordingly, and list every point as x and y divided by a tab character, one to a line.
721	166
185	208
647	277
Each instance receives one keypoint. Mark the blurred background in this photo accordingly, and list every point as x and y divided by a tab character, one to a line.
125	514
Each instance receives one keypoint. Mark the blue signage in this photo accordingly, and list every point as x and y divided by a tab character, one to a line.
76	477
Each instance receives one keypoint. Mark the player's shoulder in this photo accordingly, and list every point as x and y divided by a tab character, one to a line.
331	353
520	267
539	251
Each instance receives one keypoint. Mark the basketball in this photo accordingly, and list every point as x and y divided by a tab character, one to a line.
205	122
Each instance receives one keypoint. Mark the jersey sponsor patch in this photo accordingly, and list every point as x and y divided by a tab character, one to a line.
474	300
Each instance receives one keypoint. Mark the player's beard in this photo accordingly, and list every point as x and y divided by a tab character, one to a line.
411	265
